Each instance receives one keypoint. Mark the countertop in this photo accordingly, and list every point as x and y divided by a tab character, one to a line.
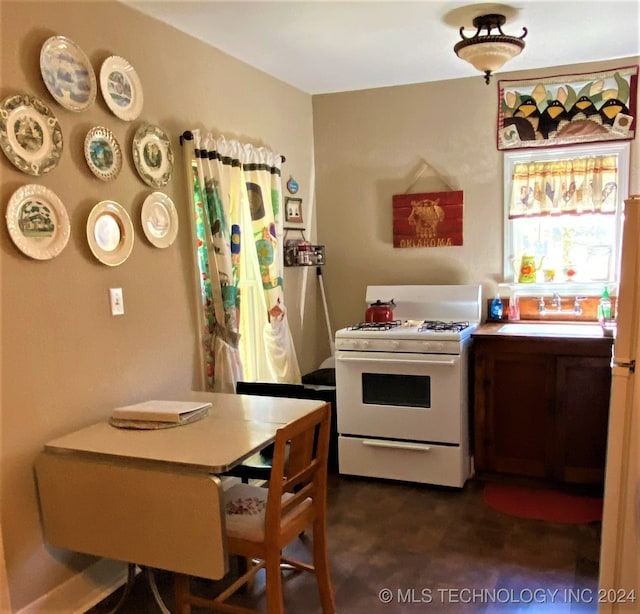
579	330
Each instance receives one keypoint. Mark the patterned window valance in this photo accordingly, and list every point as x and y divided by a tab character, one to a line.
581	185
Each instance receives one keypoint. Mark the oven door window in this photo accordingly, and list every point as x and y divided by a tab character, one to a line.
400	390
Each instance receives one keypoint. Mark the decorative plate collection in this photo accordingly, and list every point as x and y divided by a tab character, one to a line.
31	138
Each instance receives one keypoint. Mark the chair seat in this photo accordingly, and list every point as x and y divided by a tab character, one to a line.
244	508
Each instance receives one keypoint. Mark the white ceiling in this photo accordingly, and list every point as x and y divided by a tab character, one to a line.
324	47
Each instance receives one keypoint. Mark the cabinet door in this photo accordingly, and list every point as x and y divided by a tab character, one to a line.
516	398
582	392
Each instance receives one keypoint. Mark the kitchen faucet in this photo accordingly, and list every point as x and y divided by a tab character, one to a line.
556	303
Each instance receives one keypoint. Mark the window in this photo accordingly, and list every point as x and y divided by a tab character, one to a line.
563	212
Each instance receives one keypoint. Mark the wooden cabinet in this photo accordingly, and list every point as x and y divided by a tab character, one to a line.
541	407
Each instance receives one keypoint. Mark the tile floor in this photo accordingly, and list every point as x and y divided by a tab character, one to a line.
398	547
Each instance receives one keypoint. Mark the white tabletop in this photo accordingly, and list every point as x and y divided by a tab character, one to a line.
235	427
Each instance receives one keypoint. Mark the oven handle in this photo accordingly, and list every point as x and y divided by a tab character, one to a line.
447	363
415	447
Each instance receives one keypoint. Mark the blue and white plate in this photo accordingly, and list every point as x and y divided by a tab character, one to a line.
67	73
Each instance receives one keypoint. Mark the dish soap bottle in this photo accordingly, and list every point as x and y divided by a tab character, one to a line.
604	307
497	309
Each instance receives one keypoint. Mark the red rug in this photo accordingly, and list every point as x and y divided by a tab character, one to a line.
539	504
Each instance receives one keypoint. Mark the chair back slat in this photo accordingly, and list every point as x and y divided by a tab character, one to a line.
307	492
303	475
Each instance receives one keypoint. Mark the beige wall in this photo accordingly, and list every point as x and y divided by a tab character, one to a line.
369	146
65	360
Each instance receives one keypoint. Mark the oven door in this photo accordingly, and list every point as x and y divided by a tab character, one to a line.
416	397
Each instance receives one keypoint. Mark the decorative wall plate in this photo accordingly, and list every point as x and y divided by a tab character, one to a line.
102	153
67	73
152	155
38	222
121	88
159	219
30	134
110	233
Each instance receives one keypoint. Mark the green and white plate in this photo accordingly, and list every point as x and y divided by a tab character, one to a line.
30	135
153	155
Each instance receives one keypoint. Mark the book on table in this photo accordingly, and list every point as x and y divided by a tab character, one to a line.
166	413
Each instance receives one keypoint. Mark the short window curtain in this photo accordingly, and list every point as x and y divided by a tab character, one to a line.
581	185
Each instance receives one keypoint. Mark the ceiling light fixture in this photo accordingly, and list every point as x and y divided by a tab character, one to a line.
489	52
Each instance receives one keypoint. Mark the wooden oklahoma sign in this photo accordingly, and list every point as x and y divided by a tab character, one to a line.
432	219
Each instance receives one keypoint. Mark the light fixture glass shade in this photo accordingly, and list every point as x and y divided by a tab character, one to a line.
489	52
488	56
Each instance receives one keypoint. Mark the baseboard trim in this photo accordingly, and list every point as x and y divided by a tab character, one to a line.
82	591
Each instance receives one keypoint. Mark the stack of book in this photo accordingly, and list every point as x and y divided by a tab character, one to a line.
158	414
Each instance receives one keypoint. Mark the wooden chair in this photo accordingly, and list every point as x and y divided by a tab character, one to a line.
260	521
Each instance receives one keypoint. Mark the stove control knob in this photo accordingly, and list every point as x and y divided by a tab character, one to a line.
364	345
395	345
439	346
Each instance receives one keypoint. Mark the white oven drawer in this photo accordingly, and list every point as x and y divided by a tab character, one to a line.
398	460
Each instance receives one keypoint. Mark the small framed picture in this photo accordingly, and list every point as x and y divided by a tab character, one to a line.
292	209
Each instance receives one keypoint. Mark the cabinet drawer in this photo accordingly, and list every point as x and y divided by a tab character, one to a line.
396	460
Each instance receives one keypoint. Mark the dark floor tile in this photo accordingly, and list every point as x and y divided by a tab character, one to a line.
397	547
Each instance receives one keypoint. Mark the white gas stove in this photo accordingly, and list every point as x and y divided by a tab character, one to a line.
402	386
425	316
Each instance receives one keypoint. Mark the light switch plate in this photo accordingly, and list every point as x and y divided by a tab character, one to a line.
117	301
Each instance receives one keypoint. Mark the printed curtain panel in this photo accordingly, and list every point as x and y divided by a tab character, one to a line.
583	185
237	199
201	233
567	109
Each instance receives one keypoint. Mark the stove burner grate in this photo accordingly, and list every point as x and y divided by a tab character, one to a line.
375	325
438	325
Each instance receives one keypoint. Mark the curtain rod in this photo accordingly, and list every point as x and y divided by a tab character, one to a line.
187	135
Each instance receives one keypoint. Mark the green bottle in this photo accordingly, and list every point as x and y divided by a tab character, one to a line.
604	307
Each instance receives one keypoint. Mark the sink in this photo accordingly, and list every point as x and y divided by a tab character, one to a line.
562	330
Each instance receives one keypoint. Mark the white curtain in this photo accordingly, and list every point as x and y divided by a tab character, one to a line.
237	191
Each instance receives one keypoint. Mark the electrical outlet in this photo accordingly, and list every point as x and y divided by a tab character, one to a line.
117	301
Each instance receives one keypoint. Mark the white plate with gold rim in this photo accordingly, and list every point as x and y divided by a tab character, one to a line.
110	233
121	88
159	219
38	222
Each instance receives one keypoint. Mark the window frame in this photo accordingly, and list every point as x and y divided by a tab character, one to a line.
511	158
